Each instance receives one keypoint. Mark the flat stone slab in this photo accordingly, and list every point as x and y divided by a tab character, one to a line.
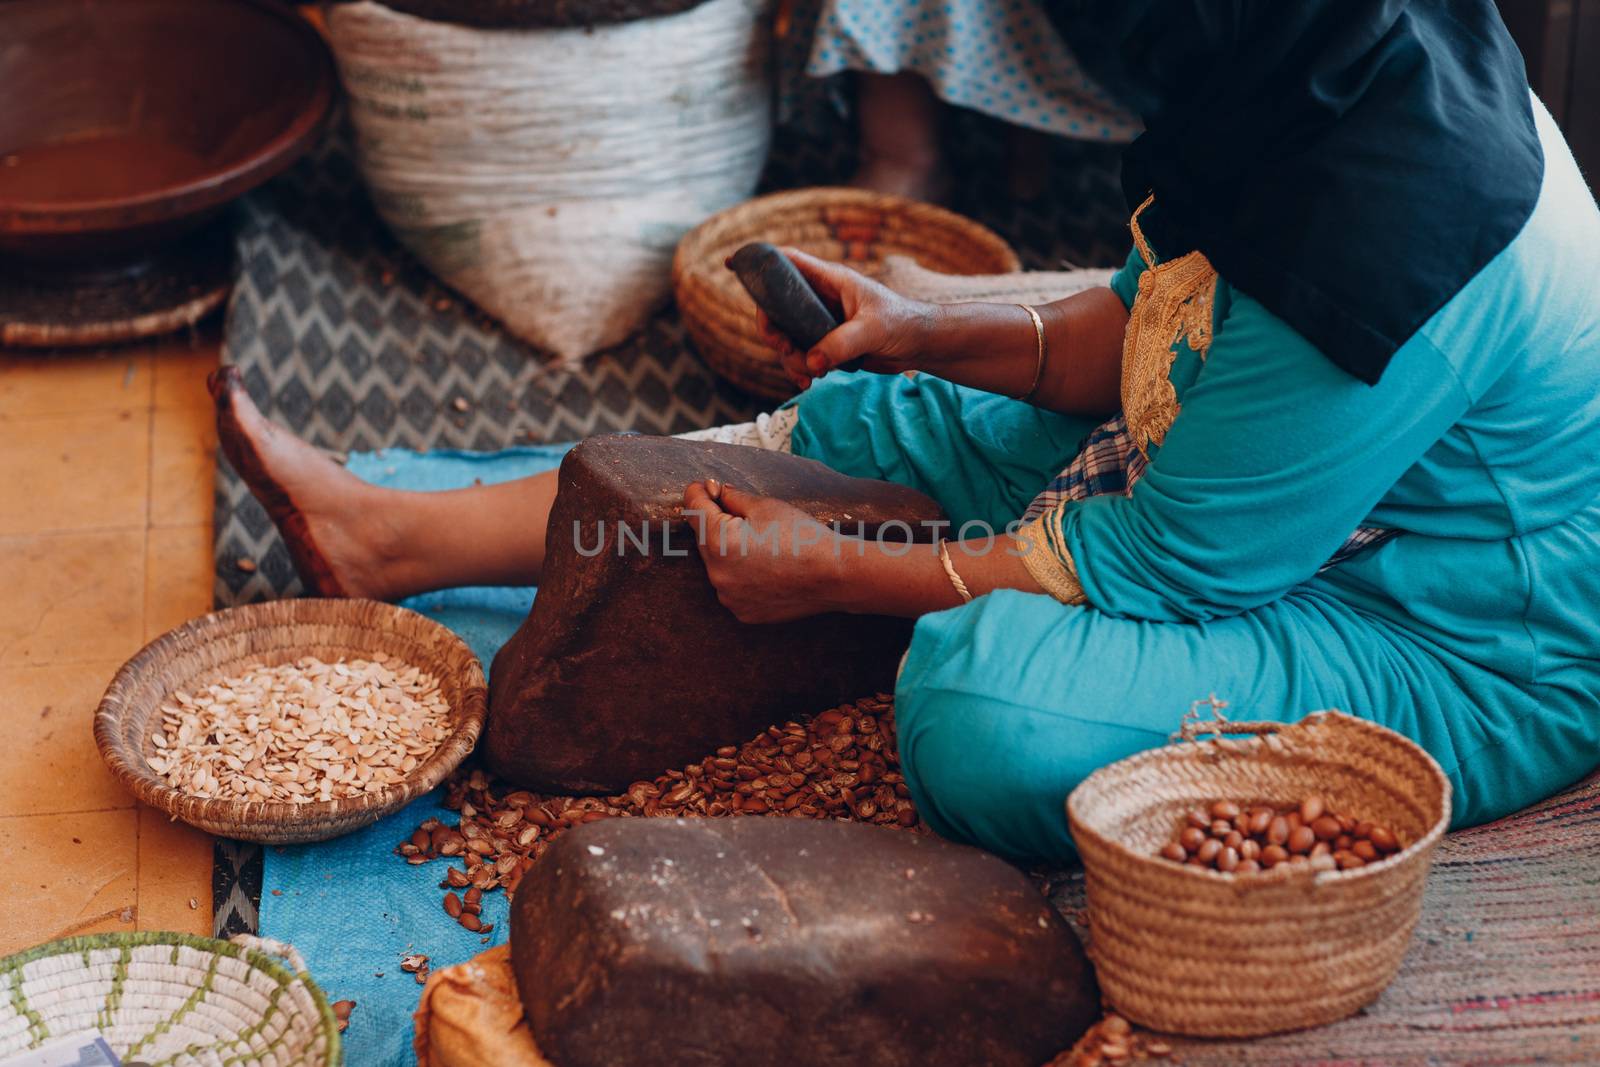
763	941
628	666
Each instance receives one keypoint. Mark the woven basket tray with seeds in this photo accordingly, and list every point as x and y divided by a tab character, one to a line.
1186	948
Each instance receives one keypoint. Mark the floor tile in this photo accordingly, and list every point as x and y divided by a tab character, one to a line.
174	869
68	874
182	466
51	764
85	471
178	577
180	372
117	379
71	598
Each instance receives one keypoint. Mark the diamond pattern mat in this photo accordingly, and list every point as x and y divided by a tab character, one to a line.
351	343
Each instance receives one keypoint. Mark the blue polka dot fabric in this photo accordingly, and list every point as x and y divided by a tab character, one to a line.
1001	57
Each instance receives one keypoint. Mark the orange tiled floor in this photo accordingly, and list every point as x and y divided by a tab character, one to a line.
105	542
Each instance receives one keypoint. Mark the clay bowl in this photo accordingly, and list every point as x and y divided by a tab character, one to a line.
127	123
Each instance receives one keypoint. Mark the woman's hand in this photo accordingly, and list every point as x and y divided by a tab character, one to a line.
769	561
881	327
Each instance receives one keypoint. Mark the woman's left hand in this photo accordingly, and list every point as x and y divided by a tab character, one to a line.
768	560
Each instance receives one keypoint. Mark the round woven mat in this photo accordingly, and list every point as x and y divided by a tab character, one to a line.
92	306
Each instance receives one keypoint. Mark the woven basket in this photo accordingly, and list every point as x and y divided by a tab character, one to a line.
212	647
172	999
853	226
1193	951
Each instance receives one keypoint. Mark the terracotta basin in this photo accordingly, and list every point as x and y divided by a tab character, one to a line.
126	123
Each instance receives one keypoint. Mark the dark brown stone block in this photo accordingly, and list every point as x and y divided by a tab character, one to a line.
756	941
628	666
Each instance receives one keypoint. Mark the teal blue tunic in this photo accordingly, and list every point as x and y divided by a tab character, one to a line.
1475	630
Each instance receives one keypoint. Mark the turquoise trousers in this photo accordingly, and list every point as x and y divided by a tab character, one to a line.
1007	703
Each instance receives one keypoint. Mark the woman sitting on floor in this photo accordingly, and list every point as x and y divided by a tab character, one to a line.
1329	437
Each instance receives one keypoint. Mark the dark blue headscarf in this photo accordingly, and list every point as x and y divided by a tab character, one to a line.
1349	163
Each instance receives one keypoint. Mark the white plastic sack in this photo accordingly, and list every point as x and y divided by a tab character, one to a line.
548	174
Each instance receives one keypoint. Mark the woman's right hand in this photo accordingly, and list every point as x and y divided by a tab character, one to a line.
887	331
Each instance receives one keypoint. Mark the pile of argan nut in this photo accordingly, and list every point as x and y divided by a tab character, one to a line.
1239	839
1110	1042
843	764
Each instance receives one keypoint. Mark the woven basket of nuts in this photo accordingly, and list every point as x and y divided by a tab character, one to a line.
1307	929
296	720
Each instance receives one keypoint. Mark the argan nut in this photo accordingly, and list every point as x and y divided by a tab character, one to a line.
1227	859
1247	867
1260	820
1321	848
1348	860
1343	842
1249	849
1278	830
1383	839
1324	862
1208	851
1301	838
1221	828
1192	838
452	905
1326	828
1199	819
1233	839
470	921
1225	809
1176	852
1366	850
1311	808
1273	855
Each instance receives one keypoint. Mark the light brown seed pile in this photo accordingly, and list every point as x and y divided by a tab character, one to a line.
1236	839
302	731
841	765
1112	1041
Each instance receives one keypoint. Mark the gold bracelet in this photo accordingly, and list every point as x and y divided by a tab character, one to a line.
950	569
1038	370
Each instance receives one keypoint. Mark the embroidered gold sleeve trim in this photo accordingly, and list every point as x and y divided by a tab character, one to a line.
1046	556
1174	303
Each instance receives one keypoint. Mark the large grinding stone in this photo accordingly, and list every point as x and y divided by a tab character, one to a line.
757	941
628	665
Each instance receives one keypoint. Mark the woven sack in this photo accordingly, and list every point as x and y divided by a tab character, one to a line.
1190	950
547	174
172	999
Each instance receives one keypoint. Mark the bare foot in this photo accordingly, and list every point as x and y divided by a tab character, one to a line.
917	180
338	540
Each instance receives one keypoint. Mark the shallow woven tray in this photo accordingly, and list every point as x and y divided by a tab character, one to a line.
853	226
1194	951
170	999
215	646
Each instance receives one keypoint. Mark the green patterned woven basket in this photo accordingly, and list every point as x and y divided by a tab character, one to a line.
170	999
